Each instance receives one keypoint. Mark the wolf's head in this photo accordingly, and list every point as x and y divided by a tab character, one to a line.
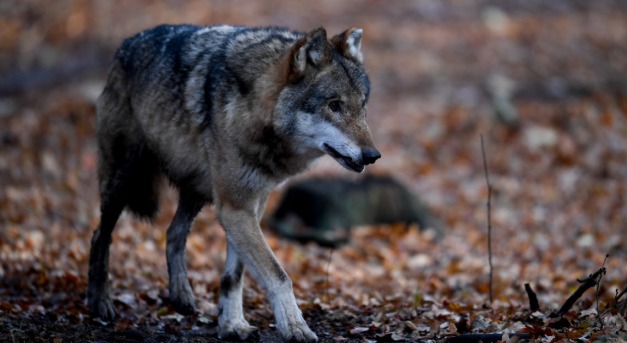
323	105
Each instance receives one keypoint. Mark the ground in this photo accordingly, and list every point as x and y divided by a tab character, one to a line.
543	82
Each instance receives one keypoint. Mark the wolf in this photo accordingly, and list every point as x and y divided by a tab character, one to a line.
225	114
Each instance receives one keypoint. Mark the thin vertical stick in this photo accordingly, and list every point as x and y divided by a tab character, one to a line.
327	283
598	289
487	180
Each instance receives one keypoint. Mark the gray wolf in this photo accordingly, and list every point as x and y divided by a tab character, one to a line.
225	114
325	210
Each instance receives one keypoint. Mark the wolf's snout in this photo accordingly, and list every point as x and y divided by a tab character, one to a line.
370	155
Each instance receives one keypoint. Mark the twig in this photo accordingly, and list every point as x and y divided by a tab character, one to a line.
597	292
487	180
327	281
533	299
620	305
485	337
586	283
621	309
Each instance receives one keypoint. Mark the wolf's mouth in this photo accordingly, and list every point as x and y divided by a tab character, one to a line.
345	161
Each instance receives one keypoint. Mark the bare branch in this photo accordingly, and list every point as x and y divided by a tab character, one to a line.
621	309
618	305
586	283
487	180
327	276
597	292
533	299
485	337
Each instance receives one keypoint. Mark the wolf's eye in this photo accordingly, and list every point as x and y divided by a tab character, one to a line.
335	106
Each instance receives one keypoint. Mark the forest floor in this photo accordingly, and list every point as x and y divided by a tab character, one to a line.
544	83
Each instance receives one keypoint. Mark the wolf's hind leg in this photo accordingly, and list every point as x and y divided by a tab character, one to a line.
181	295
112	198
231	322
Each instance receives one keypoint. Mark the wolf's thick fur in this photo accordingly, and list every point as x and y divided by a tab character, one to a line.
225	113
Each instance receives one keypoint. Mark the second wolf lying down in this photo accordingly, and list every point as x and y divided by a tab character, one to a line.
225	113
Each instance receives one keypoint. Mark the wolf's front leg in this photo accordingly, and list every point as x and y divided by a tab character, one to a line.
245	236
231	322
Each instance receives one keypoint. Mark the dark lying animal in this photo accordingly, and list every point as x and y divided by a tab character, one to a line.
325	210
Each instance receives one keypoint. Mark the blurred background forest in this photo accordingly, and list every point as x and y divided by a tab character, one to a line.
545	82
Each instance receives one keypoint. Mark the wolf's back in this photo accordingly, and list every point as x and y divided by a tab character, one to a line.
162	56
197	68
174	51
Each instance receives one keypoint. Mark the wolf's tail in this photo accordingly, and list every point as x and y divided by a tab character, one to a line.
143	184
129	173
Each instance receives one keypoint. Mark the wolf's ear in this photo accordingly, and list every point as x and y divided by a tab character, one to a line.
310	50
348	43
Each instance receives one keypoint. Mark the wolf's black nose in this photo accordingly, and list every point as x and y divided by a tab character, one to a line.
369	155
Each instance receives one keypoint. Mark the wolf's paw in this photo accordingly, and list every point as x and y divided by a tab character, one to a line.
237	330
299	333
101	307
181	298
289	318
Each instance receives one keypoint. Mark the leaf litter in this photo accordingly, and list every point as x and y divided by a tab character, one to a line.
556	146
